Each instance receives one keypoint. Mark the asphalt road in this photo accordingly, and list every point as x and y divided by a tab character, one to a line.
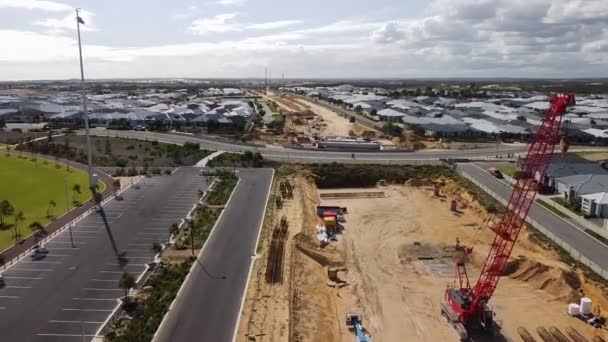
582	242
316	156
207	307
72	291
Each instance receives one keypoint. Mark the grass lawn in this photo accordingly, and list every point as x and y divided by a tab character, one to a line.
553	209
508	169
29	186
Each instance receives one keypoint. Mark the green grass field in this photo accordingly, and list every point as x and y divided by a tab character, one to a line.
508	169
29	186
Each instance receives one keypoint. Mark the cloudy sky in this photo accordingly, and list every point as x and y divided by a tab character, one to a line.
312	38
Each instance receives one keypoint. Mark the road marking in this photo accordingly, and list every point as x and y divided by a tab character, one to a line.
26	278
95	289
31	270
100	299
128	264
75	322
17	287
10	297
66	335
75	242
40	262
2	307
64	248
88	310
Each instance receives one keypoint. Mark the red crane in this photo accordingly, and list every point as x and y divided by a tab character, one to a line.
467	308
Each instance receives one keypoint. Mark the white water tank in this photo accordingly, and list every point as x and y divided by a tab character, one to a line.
574	309
586	306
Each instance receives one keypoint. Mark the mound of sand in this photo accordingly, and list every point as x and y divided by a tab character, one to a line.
310	247
562	284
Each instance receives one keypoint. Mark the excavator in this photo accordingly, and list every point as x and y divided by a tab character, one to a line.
467	307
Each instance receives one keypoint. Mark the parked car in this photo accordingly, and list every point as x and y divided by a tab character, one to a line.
496	173
2	283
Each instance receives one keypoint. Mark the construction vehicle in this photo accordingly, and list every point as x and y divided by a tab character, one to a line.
355	322
467	308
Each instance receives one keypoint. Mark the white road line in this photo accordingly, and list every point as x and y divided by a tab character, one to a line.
87	310
94	289
134	257
10	297
30	270
2	307
17	287
129	264
66	335
75	322
26	278
99	299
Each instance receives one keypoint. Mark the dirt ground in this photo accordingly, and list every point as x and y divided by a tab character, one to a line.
335	125
397	293
594	156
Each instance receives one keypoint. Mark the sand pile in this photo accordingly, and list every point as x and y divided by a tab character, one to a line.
562	284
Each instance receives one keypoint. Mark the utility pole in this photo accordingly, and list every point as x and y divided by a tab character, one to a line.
265	81
92	182
67	206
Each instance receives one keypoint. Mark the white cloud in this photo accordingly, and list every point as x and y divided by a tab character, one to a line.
217	24
68	23
50	6
231	2
271	25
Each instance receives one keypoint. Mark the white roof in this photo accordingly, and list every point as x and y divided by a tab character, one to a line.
600	133
388	112
544	105
482	125
599	197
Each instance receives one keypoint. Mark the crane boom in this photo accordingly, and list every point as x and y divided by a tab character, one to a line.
470	306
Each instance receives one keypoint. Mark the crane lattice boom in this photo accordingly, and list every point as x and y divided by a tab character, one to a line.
471	304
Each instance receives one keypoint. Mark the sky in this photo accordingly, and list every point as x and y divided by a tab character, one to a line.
305	39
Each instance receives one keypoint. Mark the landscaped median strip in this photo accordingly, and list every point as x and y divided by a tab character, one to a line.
158	293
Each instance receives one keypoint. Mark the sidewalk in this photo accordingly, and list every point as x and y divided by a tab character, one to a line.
574	219
24	245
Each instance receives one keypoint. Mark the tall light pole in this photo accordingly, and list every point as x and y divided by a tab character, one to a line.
92	182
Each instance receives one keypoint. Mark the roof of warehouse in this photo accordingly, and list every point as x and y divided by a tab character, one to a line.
586	184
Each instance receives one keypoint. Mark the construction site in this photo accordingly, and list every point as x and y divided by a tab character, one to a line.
398	262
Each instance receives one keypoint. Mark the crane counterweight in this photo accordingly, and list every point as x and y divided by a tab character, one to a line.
466	307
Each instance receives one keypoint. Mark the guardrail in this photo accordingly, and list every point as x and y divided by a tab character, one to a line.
575	254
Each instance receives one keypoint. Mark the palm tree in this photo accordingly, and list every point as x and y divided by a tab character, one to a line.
18	219
38	230
6	209
76	190
126	282
116	185
49	210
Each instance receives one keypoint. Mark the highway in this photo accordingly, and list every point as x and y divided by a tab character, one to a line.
315	156
582	242
208	305
70	293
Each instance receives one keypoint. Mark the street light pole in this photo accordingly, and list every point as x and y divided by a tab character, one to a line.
67	207
84	105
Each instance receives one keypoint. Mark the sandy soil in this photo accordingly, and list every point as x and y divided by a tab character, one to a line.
335	125
397	293
400	295
594	156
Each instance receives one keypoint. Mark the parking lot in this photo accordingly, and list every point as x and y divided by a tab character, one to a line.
71	292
